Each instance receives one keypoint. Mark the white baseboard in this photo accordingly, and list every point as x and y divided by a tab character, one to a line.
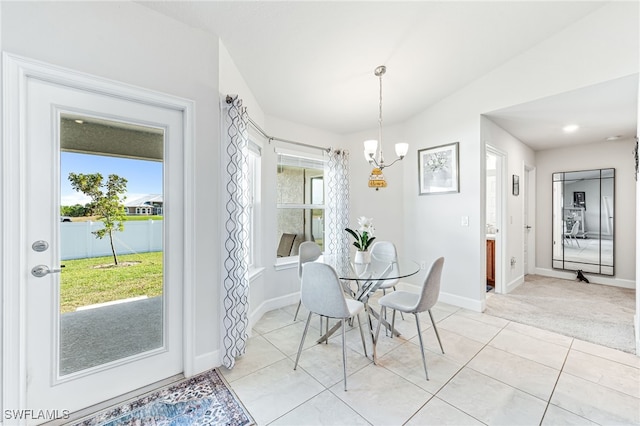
595	279
451	299
270	305
514	284
636	323
462	302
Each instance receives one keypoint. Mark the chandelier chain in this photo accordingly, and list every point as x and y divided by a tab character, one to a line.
380	120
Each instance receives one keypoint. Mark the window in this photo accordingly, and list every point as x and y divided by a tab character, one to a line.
253	183
300	189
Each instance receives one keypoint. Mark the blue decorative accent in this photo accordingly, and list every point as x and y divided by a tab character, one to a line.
204	399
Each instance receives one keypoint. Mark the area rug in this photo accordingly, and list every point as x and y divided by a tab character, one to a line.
591	312
205	399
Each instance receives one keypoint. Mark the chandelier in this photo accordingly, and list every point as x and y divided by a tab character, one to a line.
371	152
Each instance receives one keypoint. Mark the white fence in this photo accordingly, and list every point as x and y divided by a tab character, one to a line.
78	242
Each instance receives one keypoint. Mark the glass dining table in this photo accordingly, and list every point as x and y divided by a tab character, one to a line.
361	281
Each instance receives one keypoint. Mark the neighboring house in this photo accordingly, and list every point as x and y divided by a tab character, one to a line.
147	205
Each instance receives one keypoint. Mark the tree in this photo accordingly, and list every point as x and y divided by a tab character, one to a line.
105	202
76	210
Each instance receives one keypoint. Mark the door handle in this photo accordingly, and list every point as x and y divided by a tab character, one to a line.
527	227
40	271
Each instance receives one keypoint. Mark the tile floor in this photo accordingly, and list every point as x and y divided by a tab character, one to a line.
493	372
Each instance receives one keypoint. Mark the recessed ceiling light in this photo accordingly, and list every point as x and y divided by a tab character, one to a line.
613	138
79	121
570	128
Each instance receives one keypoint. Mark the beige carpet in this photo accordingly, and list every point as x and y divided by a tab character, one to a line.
595	313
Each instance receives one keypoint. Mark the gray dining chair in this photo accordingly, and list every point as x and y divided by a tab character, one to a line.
416	303
308	252
385	252
321	293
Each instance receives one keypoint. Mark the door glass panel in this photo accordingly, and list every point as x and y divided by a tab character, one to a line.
111	242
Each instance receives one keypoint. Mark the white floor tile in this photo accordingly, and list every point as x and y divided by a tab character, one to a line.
490	401
273	320
260	353
631	360
324	409
556	416
537	350
406	362
540	334
457	348
438	412
604	372
487	319
595	402
275	390
470	328
521	373
324	362
509	380
382	397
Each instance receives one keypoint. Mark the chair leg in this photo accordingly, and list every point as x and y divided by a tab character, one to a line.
364	345
436	330
297	309
344	352
424	359
393	322
304	335
401	314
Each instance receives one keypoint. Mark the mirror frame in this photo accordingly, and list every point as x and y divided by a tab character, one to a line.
558	228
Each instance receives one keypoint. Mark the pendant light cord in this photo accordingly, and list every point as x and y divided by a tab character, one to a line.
381	158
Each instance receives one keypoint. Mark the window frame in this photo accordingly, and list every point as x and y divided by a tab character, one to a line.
320	162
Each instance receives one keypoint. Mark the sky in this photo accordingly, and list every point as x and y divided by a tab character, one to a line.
143	177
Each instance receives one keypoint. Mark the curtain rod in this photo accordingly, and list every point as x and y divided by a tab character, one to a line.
230	100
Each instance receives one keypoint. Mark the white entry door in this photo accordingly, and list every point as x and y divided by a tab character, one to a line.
80	355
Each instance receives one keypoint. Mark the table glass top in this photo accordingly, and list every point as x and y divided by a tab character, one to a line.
377	269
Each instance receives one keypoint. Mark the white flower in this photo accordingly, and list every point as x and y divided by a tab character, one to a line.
437	161
366	225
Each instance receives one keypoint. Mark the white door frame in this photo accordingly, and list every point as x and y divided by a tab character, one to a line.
16	71
529	200
501	214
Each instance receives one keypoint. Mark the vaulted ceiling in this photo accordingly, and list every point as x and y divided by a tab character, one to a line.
312	62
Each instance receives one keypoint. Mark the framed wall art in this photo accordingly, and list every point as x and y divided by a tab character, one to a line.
515	185
439	170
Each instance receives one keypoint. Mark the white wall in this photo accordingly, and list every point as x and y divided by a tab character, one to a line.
601	155
127	42
598	48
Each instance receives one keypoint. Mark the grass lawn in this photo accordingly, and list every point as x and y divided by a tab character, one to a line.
82	284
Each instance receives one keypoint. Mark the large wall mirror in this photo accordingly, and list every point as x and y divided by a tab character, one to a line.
583	221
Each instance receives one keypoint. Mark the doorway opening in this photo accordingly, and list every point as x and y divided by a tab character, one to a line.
494	204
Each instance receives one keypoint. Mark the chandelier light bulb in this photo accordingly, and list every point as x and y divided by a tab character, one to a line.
402	149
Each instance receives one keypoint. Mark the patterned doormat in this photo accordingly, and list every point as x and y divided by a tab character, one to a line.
205	399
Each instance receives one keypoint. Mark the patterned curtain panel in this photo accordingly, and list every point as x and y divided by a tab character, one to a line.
337	207
235	292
